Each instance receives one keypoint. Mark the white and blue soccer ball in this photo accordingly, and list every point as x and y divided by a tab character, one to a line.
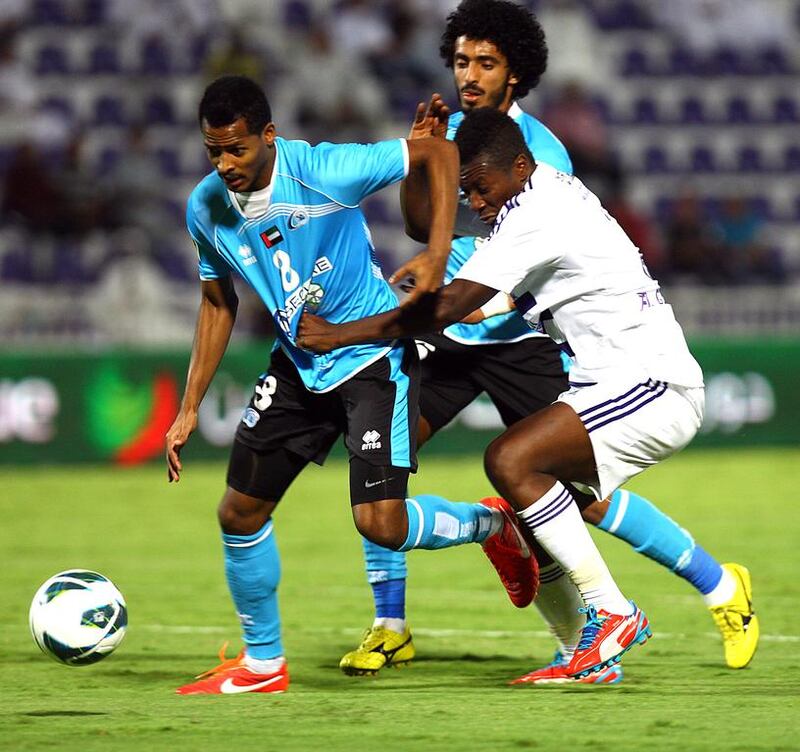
78	617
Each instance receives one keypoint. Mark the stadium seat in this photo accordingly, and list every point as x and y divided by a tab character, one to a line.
634	63
63	106
784	110
749	159
169	161
655	160
159	110
692	111
738	110
297	15
104	60
51	59
701	159
94	12
727	61
681	62
156	59
791	159
107	160
49	13
772	60
645	111
109	110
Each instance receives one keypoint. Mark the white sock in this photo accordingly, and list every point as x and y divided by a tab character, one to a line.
723	591
263	666
558	601
396	625
557	525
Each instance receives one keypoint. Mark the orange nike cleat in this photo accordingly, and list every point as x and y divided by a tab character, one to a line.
233	677
556	673
511	555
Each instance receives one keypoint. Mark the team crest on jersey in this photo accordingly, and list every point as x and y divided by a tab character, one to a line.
315	293
246	252
250	417
298	218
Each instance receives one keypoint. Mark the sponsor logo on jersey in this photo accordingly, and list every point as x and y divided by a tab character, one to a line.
371	440
298	218
246	252
271	236
323	265
250	417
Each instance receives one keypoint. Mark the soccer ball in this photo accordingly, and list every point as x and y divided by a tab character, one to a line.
78	617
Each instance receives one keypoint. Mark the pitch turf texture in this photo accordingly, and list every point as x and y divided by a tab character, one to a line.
160	545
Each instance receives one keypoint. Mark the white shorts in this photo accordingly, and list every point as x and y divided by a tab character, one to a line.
633	426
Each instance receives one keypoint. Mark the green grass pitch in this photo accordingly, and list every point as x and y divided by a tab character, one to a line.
160	545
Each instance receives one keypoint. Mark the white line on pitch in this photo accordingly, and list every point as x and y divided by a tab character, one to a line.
441	633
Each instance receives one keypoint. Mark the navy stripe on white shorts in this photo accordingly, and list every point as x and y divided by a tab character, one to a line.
617	408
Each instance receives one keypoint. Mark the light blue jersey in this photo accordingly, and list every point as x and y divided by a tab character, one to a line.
510	327
312	247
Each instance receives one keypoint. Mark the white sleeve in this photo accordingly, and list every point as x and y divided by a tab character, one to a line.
517	247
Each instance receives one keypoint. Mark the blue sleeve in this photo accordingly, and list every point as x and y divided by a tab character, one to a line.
210	265
348	173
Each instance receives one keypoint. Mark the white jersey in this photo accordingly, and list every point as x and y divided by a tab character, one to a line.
574	274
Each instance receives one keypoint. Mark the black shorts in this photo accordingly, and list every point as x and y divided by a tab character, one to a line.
520	378
376	410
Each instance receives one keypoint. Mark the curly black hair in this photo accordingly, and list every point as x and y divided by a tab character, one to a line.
232	97
490	133
511	28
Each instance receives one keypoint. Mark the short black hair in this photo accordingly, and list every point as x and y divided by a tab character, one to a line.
232	97
513	29
488	132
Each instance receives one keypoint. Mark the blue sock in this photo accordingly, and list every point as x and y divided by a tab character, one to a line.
253	569
434	522
635	520
386	573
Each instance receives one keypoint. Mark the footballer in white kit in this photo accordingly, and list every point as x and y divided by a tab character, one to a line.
636	393
574	274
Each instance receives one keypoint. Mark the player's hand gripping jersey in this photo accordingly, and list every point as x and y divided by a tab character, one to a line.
575	275
510	327
310	247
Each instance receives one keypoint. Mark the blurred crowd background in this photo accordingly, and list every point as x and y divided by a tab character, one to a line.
682	115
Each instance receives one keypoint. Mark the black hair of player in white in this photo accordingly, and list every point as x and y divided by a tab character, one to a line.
492	134
229	98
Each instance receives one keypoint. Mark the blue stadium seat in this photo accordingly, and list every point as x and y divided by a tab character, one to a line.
169	161
159	110
297	15
655	160
701	159
738	111
749	159
109	110
728	61
773	60
156	58
104	60
49	13
108	160
51	59
645	111
94	12
61	105
791	159
692	111
784	110
635	63
682	62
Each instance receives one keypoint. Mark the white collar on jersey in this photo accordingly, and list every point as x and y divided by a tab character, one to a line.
514	111
255	204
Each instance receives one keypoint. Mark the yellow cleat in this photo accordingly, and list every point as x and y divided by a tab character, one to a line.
737	621
380	647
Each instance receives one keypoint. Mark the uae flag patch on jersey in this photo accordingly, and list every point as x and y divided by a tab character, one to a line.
271	236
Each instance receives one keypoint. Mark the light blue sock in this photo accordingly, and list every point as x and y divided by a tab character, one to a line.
386	574
637	521
434	522
253	569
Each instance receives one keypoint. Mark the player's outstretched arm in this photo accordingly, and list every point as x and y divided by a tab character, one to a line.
430	314
430	120
215	321
439	158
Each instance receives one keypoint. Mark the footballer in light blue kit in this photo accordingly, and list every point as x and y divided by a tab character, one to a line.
498	53
284	215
